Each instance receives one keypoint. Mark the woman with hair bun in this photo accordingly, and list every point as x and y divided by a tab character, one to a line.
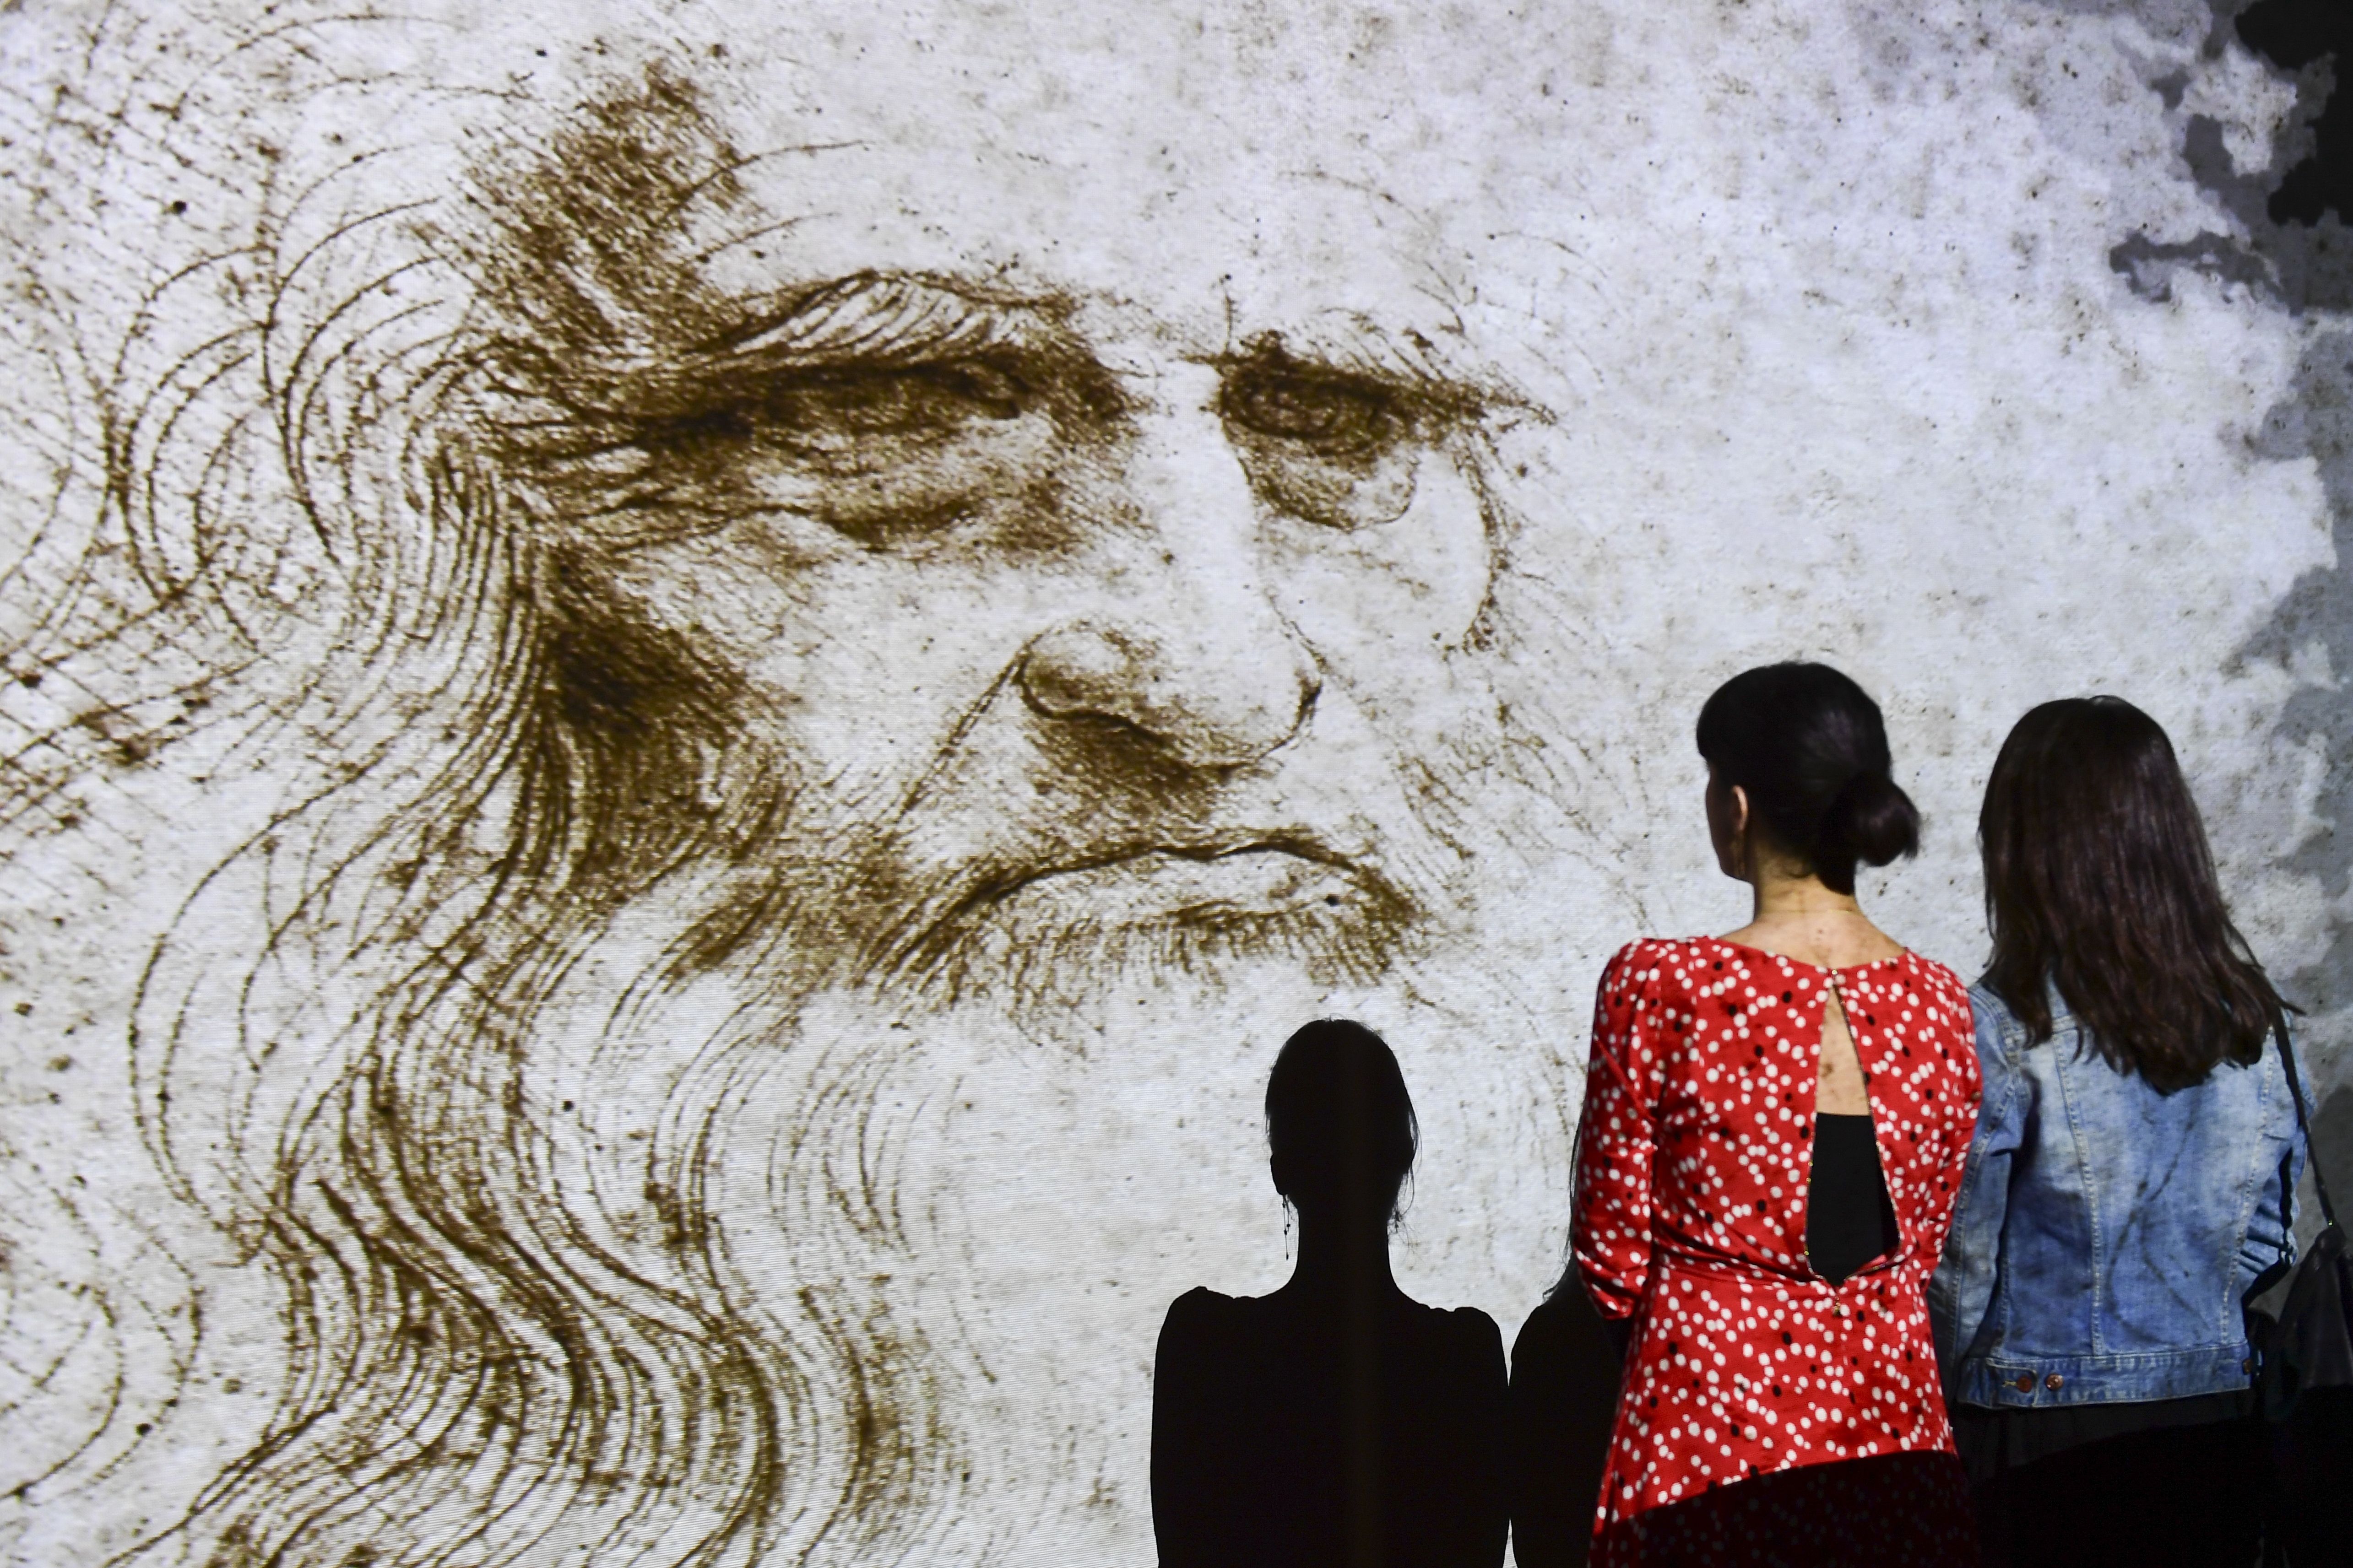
1774	1129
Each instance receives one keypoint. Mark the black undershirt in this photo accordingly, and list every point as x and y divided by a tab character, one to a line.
1849	1221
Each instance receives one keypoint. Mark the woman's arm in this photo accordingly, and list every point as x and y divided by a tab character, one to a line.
1962	1288
1610	1232
1565	1381
1960	1098
1483	1523
2271	1237
1188	1493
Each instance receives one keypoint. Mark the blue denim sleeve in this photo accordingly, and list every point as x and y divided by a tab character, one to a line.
2270	1231
1961	1291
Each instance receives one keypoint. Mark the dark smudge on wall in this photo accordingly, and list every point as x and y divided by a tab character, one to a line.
2298	251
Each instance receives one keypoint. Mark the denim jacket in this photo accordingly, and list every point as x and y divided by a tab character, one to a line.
2104	1233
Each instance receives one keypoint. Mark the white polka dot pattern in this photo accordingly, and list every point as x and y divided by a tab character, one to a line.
1694	1157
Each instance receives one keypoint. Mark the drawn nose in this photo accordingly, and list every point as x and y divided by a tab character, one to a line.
1213	703
1195	658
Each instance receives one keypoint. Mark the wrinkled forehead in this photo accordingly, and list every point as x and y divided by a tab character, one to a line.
1188	174
1227	253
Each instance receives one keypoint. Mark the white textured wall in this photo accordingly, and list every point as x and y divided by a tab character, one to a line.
1923	340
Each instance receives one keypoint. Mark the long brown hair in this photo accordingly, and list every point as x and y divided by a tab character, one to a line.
2099	880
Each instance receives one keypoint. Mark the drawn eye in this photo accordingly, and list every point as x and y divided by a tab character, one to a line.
912	401
1336	414
888	455
1330	448
885	454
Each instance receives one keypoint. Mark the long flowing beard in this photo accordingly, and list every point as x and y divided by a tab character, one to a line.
959	1223
872	1273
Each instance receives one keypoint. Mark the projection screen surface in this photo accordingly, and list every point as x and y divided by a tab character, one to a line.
690	690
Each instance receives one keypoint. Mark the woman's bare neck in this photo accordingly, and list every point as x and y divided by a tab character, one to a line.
1798	918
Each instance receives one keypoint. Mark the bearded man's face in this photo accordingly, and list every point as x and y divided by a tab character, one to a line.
1067	586
1004	592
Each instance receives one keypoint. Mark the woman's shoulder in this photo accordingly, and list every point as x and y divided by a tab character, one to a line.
1471	1326
1938	980
1460	1333
1650	961
1203	1313
1989	1006
1669	950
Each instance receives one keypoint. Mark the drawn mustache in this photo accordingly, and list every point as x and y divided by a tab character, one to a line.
1009	804
960	902
1296	844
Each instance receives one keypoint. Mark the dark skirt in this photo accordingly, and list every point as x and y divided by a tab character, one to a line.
1892	1510
2160	1483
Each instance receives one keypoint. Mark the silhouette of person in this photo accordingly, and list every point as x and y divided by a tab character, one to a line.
1566	1365
1336	1421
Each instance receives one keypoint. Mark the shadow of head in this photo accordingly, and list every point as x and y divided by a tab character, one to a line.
1340	1125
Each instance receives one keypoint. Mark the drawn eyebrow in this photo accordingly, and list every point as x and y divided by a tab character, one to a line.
876	321
865	323
884	319
1349	348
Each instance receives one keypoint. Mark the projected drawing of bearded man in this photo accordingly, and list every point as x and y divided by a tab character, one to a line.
817	586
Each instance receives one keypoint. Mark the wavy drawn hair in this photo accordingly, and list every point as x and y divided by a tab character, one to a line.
512	1325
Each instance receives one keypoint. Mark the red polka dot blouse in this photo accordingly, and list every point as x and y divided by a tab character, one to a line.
1693	1155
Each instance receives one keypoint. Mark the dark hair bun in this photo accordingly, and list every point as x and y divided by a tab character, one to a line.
1871	819
1808	747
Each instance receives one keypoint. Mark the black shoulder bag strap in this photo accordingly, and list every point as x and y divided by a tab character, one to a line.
2304	1130
2262	1320
2303	1343
2305	1382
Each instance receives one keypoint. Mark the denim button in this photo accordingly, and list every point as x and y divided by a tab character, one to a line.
2248	1365
2025	1382
2053	1380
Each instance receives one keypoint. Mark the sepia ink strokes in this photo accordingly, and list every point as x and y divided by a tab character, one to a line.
685	688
